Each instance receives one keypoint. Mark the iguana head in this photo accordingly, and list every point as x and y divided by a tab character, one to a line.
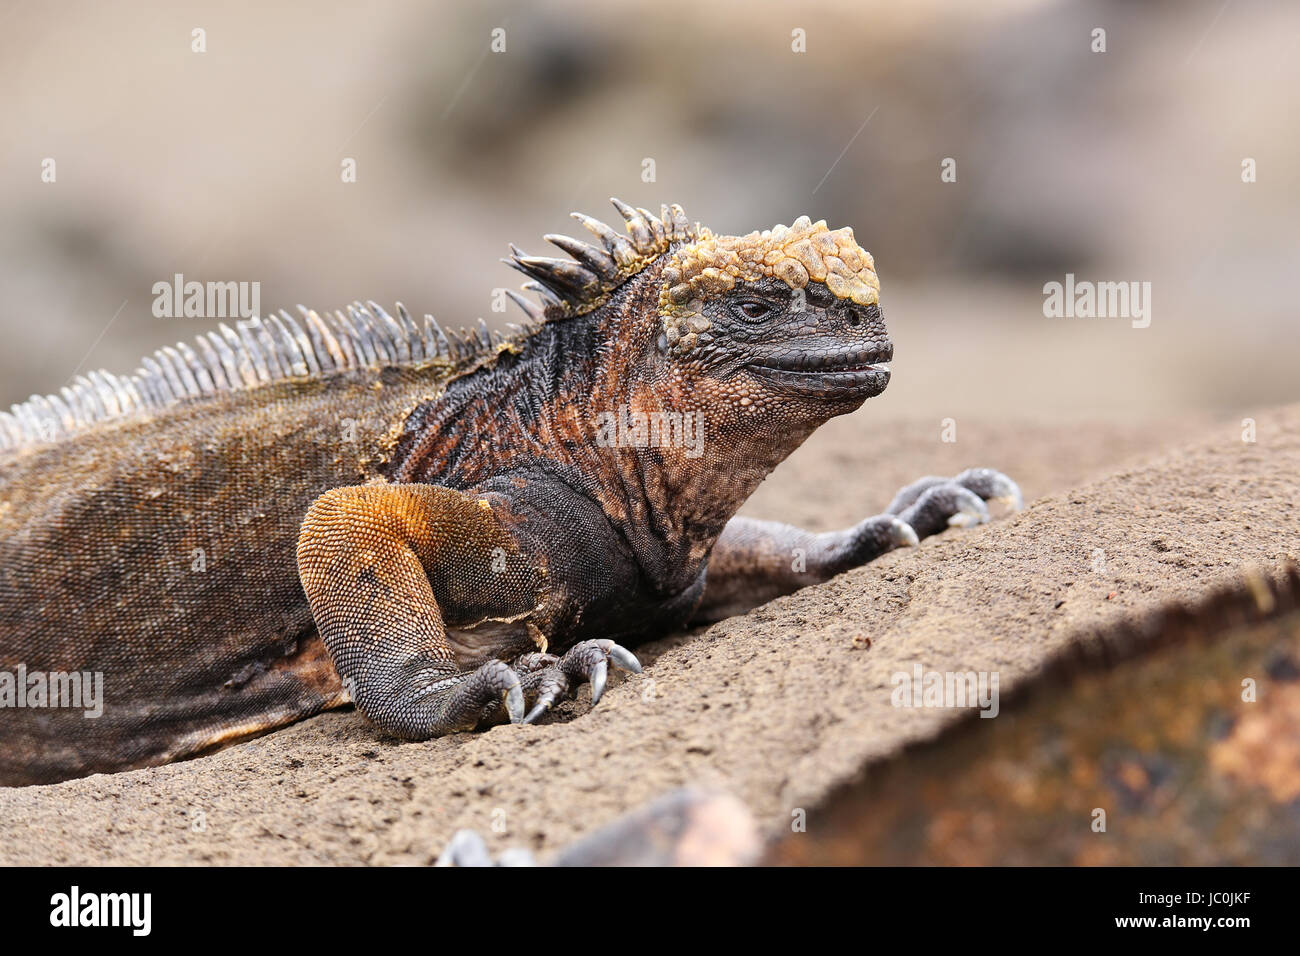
692	362
784	318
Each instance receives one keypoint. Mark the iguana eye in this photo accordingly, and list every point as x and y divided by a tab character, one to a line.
755	310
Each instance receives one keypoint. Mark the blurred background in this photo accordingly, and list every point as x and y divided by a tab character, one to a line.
1123	165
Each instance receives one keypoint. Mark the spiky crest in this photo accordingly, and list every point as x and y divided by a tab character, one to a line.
262	351
577	285
256	352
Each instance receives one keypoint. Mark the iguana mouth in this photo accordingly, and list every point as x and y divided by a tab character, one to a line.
868	379
864	370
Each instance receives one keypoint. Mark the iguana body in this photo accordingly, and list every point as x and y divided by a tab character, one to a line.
358	508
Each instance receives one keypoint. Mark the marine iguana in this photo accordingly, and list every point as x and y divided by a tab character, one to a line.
445	529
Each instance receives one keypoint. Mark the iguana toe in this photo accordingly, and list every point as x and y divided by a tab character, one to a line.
549	684
945	505
931	504
587	661
992	486
481	693
493	684
971	510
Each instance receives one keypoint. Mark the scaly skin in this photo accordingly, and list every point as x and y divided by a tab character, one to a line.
472	548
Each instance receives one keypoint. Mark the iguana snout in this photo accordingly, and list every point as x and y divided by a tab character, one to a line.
803	341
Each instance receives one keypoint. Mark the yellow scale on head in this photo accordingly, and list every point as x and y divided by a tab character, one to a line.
798	254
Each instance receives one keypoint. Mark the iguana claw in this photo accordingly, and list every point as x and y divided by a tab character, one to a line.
542	706
621	657
992	486
624	658
514	701
901	534
585	661
599	671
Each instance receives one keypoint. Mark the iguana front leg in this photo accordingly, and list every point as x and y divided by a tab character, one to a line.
755	561
389	568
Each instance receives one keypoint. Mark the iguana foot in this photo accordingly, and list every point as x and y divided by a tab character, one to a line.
547	678
931	504
468	700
